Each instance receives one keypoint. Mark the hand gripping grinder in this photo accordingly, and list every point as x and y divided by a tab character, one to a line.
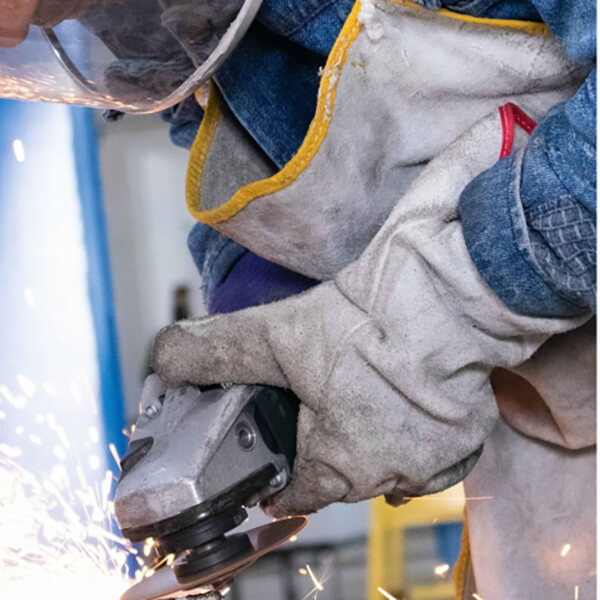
197	459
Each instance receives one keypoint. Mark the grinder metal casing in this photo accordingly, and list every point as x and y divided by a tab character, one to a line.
196	460
193	451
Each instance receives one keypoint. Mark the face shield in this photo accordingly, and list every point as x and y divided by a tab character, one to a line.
137	56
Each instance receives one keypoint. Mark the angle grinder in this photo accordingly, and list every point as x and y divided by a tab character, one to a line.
197	460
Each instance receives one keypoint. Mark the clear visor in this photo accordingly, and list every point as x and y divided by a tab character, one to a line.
137	56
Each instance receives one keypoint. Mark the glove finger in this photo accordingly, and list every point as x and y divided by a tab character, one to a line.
227	348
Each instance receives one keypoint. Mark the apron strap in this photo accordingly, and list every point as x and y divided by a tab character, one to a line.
511	115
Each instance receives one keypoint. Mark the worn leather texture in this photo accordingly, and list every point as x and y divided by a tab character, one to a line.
536	498
391	360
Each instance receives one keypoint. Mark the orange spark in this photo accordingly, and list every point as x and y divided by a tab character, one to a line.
448	498
565	550
386	594
115	455
318	585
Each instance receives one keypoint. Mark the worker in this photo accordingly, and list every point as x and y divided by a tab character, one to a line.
428	174
474	259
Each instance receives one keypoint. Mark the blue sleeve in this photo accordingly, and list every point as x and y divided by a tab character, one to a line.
234	278
529	222
184	119
573	22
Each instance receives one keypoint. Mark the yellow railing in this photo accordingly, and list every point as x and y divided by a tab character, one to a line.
386	560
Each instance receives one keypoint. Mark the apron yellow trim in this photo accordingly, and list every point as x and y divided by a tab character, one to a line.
461	567
529	27
199	152
318	127
312	142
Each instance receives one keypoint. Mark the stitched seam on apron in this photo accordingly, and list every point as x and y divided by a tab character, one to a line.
530	27
199	152
316	135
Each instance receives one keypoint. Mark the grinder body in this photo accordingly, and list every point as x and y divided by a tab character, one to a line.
198	457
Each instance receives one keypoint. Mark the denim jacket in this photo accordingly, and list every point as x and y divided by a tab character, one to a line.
529	221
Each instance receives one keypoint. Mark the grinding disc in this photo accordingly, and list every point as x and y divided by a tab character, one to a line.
163	584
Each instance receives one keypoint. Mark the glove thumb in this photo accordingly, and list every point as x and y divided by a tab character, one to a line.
233	348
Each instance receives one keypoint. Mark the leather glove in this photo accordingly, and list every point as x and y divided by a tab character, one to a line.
391	360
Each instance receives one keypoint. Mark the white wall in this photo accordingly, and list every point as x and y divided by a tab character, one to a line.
148	224
53	452
48	354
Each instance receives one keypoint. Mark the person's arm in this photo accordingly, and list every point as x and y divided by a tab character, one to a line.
15	18
529	221
391	360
